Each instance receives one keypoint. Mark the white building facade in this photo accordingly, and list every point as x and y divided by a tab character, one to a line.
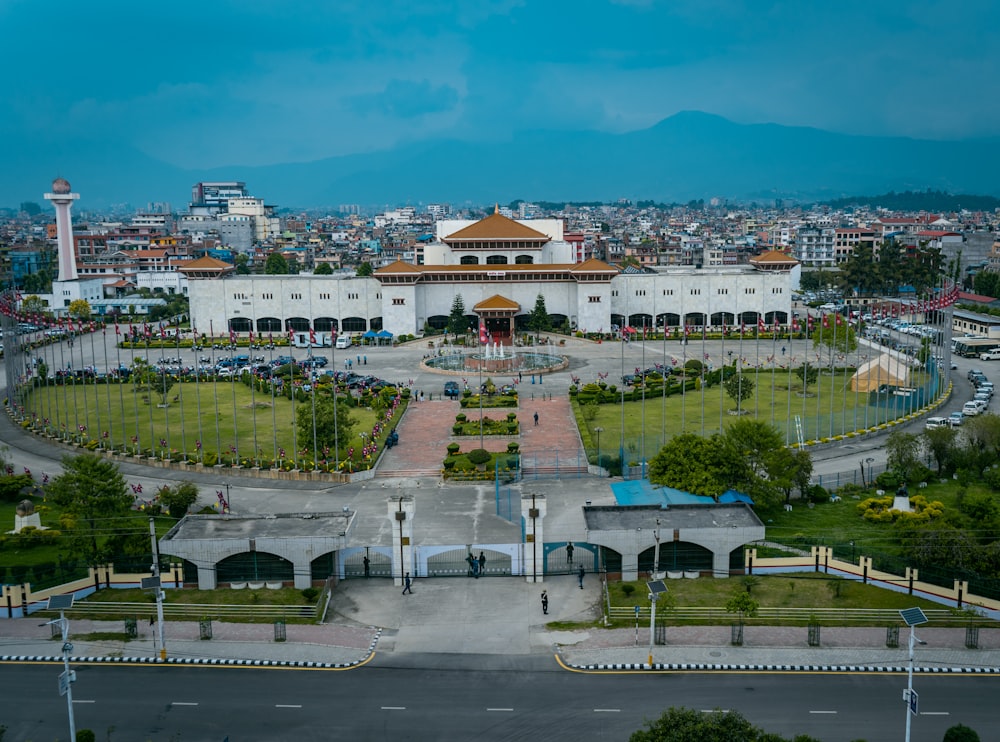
499	267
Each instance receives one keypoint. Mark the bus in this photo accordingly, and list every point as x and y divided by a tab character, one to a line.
972	347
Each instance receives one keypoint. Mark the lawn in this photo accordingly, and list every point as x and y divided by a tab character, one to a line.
797	590
828	410
50	562
224	417
187	596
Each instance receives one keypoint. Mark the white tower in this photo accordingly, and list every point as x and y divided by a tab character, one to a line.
62	199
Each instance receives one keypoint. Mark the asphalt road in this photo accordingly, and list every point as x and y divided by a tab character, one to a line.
429	697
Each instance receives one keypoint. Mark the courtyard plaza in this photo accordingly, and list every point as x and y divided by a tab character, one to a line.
446	512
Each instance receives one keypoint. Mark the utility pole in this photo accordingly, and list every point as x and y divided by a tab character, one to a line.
155	584
67	677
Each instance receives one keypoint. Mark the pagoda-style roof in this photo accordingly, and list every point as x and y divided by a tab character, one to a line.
773	257
496	227
399	266
205	266
593	265
497	303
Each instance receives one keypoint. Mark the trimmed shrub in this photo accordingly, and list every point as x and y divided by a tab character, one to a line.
478	456
453	448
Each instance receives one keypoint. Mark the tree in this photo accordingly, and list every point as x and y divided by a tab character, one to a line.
323	269
902	451
327	433
539	320
79	309
365	269
32	305
835	334
739	387
807	375
691	463
179	498
940	444
960	733
164	382
276	265
242	263
457	322
743	604
42	369
95	500
690	725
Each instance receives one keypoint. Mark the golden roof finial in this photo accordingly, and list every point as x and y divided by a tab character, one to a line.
496	207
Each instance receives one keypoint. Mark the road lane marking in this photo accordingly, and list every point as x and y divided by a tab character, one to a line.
822	712
288	705
394	708
497	709
183	703
607	711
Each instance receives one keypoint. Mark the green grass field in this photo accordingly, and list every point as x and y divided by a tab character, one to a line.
829	409
223	416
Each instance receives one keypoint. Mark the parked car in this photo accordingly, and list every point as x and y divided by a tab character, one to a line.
451	389
989	355
935	422
972	408
973	372
955	419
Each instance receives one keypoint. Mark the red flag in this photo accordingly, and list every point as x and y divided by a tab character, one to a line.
482	333
148	330
291	335
777	325
312	336
232	336
826	321
723	327
760	324
117	329
251	337
743	328
795	324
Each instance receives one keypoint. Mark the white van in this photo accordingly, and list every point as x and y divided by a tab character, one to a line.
343	342
990	355
936	422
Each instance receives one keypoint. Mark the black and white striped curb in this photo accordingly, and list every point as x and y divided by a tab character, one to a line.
194	660
709	667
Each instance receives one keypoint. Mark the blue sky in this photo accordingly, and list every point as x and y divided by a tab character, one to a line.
216	82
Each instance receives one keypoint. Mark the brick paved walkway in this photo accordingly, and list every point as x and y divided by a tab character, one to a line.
425	432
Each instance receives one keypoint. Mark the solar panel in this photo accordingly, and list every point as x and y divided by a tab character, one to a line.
913	616
656	587
60	602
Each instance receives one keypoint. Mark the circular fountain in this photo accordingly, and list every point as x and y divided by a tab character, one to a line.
495	358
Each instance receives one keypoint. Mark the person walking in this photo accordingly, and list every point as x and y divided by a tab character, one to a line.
482	563
406	585
367	563
536	418
569	552
545	603
580	573
471	561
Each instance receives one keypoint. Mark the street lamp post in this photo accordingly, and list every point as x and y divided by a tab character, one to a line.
598	430
870	460
912	617
656	587
66	679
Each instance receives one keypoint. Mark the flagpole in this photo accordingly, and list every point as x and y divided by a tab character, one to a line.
150	390
704	366
253	401
195	347
295	432
663	392
312	392
722	378
215	392
232	384
336	402
642	435
97	396
270	381
132	376
774	362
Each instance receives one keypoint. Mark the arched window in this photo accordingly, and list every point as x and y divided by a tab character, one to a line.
470	260
524	260
496	260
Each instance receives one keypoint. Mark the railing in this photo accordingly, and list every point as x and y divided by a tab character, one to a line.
191	611
788	616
